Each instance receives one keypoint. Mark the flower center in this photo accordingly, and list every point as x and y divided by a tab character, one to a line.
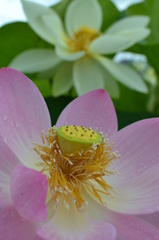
82	39
73	158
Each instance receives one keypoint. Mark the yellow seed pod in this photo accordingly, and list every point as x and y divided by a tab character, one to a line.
75	138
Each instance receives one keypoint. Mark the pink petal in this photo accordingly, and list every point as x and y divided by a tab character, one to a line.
132	228
8	161
137	196
23	114
13	227
152	218
137	145
28	192
72	225
128	227
93	109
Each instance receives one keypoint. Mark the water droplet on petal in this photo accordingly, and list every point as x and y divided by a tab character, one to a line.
5	117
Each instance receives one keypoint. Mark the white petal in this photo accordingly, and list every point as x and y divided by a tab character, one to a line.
35	60
123	74
86	76
62	80
128	23
33	12
111	86
108	44
66	54
82	13
133	35
55	27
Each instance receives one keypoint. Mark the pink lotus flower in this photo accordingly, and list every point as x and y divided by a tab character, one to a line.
30	196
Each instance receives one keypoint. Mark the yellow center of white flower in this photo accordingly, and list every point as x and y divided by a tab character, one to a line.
73	157
82	39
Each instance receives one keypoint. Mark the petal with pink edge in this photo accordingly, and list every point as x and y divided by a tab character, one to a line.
23	114
128	227
132	228
94	109
12	226
137	196
29	192
137	145
8	161
72	225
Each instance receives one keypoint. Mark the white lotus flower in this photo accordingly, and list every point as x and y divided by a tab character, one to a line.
81	49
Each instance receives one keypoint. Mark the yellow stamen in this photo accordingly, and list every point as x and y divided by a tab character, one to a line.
82	39
69	173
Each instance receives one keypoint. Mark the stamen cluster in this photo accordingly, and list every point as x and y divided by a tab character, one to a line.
69	174
82	39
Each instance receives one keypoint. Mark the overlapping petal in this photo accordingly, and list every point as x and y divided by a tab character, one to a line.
77	15
133	35
34	12
68	55
63	80
152	218
127	226
13	226
35	60
132	22
55	27
8	161
110	85
86	76
108	44
94	109
28	191
74	225
123	74
23	115
138	165
137	196
137	145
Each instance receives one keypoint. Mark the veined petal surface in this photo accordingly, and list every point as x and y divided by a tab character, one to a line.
137	196
138	165
23	115
35	60
28	191
127	226
94	109
123	74
77	15
33	12
73	225
137	145
8	161
86	76
128	23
